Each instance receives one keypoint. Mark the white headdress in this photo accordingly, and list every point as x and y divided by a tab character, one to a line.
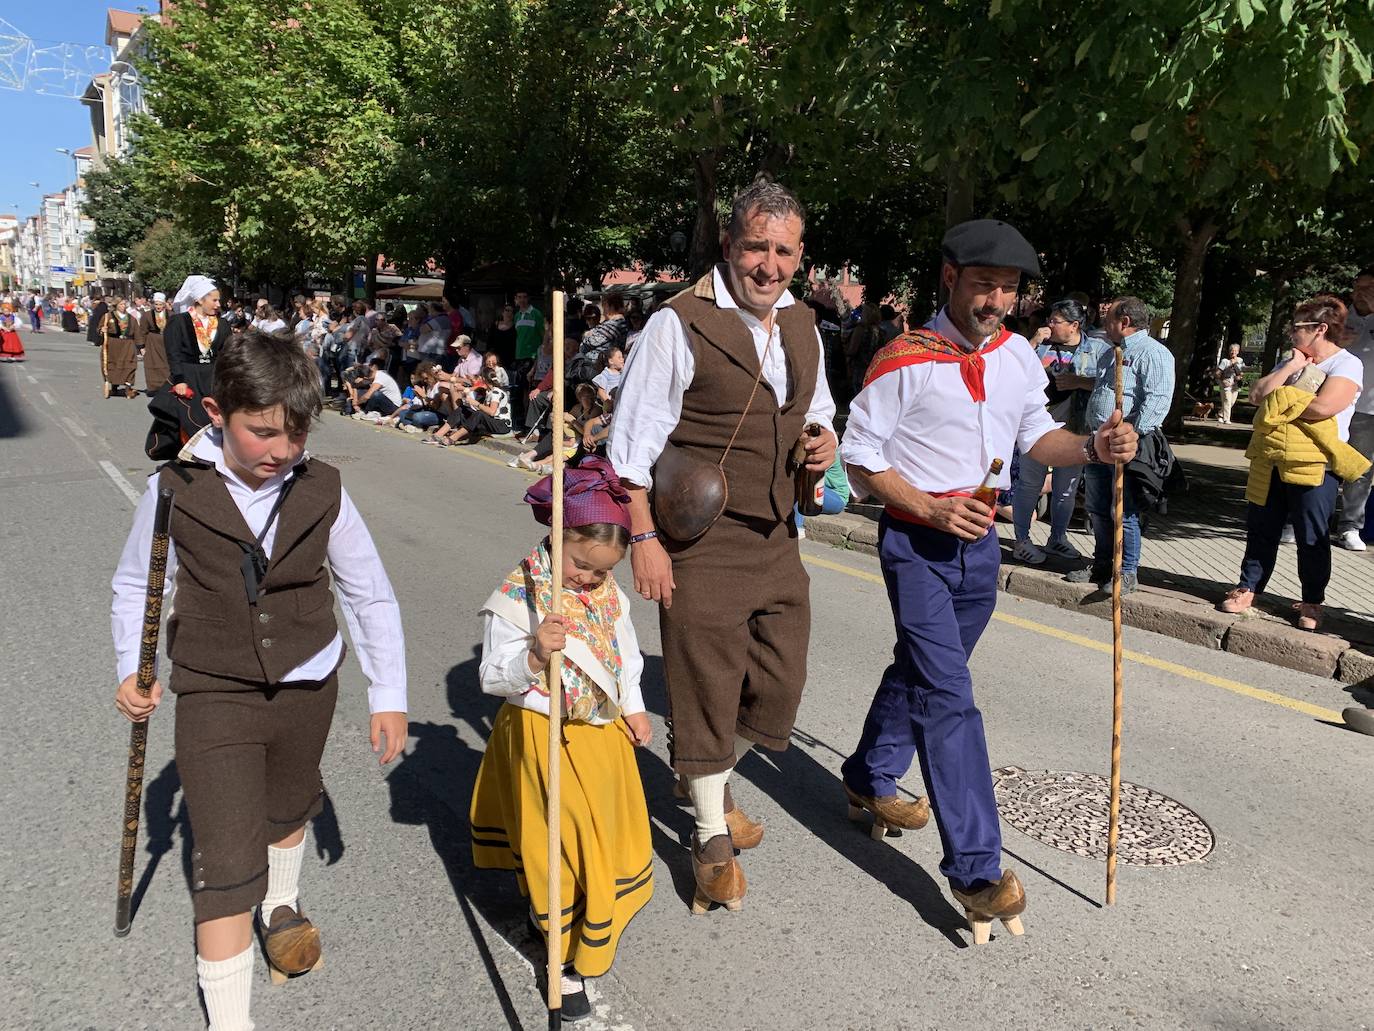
192	291
159	296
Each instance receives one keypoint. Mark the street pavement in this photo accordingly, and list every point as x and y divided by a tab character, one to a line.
1271	930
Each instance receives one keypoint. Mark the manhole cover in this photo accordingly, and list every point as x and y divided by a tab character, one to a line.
1069	812
336	459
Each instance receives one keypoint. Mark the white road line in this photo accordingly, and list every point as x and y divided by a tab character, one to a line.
120	482
31	379
73	425
48	397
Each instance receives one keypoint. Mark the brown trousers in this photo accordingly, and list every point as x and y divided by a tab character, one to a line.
734	641
156	371
249	762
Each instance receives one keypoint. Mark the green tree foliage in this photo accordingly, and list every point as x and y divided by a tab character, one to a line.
271	125
170	251
121	211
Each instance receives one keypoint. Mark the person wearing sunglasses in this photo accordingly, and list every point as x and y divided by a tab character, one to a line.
1286	490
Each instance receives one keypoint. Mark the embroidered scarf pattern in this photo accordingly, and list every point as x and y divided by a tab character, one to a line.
924	345
588	616
205	336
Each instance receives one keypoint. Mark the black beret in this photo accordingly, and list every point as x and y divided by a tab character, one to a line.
991	244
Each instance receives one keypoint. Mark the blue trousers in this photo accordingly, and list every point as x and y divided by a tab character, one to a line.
1309	509
942	591
1097	497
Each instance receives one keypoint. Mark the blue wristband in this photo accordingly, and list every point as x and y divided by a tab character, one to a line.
652	535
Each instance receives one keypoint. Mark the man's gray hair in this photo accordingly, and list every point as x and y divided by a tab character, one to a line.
763	196
1134	309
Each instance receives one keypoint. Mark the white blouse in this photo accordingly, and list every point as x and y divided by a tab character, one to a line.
921	421
505	670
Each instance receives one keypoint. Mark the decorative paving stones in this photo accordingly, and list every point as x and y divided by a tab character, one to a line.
1068	811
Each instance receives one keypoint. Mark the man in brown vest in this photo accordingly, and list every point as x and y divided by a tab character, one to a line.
728	374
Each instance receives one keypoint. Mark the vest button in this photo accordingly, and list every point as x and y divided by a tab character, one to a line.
199	885
267	642
263	617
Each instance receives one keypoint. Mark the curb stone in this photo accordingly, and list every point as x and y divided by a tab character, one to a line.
1183	617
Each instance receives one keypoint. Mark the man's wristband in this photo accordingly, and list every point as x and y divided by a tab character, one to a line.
652	535
1090	451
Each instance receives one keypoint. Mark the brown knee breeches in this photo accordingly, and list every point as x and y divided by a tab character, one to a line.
249	762
734	641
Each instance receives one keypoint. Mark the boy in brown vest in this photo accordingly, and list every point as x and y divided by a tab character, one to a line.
255	652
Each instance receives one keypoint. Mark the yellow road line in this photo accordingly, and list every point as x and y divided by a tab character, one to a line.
1234	686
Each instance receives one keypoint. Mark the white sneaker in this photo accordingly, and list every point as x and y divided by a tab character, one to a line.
514	463
1351	541
1061	548
1288	537
1028	553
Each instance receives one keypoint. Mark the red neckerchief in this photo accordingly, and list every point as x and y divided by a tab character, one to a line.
924	345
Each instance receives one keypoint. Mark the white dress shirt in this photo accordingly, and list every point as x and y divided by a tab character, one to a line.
505	670
660	369
369	604
921	421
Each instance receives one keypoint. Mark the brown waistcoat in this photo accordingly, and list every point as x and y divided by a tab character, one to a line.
213	628
726	366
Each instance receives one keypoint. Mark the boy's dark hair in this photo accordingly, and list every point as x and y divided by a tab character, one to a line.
600	533
262	370
377	361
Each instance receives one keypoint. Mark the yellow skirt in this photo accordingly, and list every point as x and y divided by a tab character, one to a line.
607	856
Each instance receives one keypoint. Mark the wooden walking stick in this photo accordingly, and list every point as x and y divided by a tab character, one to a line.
138	733
554	939
1118	517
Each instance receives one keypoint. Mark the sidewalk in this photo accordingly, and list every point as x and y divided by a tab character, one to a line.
1190	558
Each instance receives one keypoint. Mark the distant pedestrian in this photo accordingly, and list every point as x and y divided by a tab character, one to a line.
1229	372
1355	496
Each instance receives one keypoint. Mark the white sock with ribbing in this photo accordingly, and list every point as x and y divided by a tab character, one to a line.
283	878
708	799
227	985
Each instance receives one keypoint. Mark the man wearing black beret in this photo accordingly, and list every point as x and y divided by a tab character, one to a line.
941	410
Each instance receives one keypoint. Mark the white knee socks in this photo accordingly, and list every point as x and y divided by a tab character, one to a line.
283	878
708	799
227	985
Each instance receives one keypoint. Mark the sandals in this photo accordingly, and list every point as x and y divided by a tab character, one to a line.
1309	615
1237	601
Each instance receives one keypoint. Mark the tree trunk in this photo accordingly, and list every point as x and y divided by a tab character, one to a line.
705	247
959	194
1274	336
370	280
1194	241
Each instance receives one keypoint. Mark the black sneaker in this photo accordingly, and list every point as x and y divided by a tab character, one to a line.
1089	575
1129	583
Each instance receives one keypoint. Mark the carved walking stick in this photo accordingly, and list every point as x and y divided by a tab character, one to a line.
138	733
554	939
1118	518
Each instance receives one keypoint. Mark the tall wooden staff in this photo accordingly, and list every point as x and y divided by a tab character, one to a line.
1118	517
138	734
554	940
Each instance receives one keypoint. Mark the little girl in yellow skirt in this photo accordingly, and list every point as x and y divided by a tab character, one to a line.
607	858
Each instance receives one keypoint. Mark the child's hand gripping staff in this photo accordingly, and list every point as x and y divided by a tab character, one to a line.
136	698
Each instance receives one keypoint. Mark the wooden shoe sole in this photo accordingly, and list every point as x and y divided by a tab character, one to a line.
1004	901
291	944
916	817
280	977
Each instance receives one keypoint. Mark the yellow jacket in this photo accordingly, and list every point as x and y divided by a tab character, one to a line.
1301	451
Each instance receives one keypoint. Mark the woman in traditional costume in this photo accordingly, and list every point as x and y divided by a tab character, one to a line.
194	337
149	335
118	353
11	347
607	858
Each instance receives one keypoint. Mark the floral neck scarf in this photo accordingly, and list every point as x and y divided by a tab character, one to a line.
589	617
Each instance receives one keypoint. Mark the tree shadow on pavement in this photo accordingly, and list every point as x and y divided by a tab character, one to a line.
432	786
795	781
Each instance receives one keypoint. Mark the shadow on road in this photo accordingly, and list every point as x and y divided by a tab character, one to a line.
795	781
12	423
432	787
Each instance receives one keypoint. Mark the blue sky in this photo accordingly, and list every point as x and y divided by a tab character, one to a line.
35	125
